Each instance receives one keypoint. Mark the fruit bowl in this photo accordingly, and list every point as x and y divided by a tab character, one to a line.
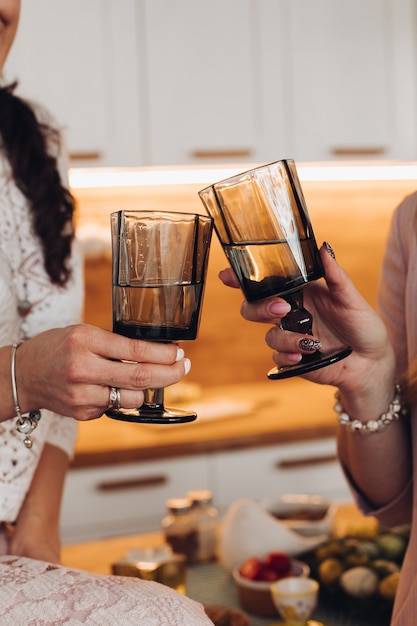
255	595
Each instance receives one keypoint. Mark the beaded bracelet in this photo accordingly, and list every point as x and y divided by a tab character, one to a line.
395	410
25	424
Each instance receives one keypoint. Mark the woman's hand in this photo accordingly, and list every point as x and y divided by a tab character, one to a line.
341	317
70	370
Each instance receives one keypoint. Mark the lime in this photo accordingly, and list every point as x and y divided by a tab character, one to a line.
392	546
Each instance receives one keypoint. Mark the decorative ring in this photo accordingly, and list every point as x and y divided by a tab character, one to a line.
114	398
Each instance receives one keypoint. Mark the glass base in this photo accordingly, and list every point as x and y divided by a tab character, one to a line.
149	416
309	363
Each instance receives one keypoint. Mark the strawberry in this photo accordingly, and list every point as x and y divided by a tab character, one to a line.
279	562
268	575
251	568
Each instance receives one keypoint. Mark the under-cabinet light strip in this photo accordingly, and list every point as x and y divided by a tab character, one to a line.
83	178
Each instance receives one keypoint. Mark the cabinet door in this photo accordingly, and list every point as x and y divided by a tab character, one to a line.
70	56
344	63
126	499
204	84
310	467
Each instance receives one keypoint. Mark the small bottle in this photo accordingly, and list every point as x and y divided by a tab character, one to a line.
206	517
180	529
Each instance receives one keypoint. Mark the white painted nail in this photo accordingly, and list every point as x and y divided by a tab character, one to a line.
180	354
187	366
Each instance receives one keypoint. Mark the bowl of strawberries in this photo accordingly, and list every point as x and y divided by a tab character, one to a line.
255	576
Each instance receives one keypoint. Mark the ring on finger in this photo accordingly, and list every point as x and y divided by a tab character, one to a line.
114	398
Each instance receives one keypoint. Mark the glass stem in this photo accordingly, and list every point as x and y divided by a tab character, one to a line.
299	320
154	400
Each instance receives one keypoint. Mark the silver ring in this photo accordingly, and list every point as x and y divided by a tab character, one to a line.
114	398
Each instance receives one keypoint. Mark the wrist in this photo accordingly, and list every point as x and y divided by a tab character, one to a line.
366	391
395	410
26	422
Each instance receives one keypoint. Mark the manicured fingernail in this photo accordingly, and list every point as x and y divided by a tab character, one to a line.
311	345
180	354
187	366
329	249
279	308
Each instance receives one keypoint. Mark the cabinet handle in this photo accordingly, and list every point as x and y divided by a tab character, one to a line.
306	461
85	156
131	483
358	152
221	154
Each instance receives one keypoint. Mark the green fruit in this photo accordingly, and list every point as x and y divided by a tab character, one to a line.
383	567
356	559
359	581
392	546
329	571
332	549
370	548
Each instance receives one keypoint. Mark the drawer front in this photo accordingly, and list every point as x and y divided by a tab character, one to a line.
128	498
311	467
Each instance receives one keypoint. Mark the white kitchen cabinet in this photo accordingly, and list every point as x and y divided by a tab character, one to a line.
351	79
130	498
206	87
258	80
307	467
127	498
158	82
78	58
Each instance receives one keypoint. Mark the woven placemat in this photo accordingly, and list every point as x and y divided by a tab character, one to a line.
213	584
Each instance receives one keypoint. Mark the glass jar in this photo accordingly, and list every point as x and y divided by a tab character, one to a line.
206	518
180	529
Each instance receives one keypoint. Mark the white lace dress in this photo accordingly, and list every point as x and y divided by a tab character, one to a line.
22	275
33	592
42	594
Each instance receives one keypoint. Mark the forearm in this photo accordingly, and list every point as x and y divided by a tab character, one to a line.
36	532
379	463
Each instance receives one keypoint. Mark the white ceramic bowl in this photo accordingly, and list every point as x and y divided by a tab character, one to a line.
308	515
255	595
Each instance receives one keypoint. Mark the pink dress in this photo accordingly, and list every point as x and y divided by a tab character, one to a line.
398	306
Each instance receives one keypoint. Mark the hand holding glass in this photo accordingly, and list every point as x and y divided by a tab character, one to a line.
261	219
159	264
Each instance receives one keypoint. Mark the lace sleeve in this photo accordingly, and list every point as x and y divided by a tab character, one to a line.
62	432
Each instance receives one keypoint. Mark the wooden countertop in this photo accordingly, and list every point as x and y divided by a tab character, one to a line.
232	417
230	351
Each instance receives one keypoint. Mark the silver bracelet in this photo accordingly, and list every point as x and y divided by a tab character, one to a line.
395	410
25	424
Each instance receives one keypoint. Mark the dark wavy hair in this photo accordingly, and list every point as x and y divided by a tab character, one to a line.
25	141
